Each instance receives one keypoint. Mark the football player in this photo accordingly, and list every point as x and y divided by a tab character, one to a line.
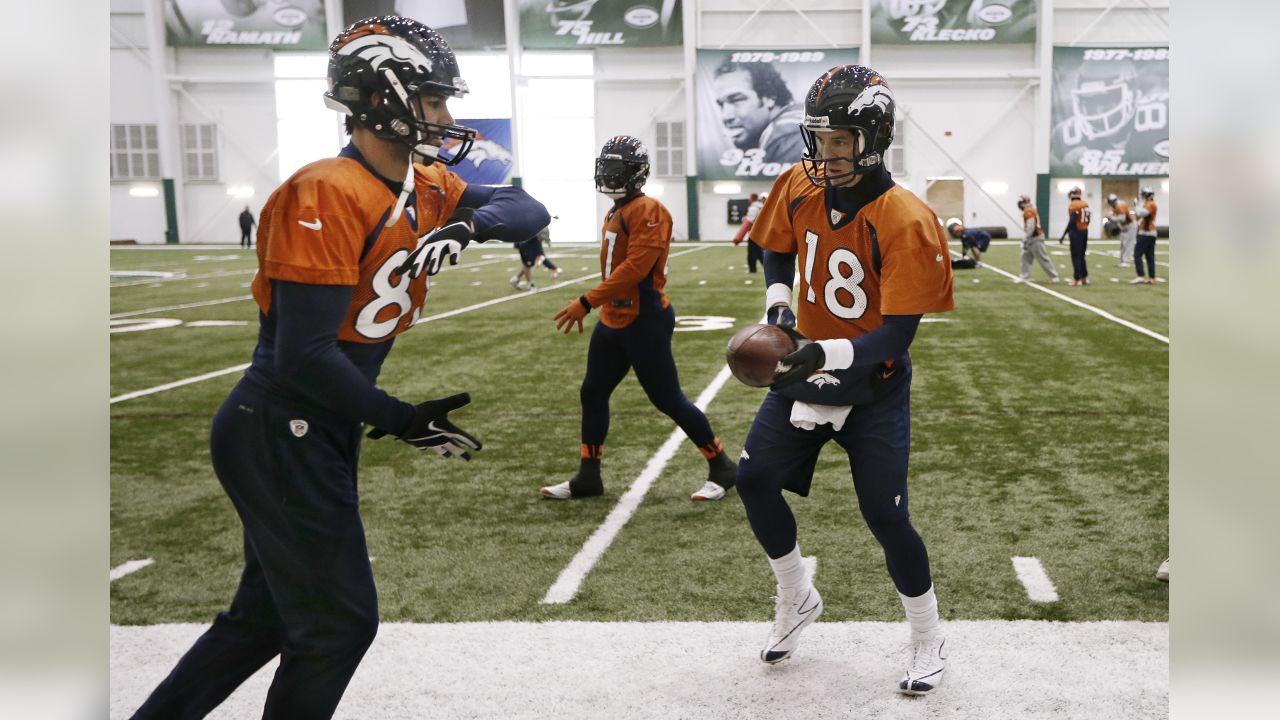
1125	220
1078	216
755	254
533	253
1145	249
1033	243
873	260
635	326
345	249
971	241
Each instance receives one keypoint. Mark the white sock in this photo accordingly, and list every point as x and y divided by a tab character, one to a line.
789	569
922	613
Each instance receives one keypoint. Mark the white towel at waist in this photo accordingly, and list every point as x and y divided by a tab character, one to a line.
808	417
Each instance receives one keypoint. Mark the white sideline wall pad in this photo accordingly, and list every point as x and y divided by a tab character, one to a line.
587	671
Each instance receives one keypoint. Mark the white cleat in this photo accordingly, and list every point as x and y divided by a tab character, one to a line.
557	492
1163	573
709	491
928	662
796	608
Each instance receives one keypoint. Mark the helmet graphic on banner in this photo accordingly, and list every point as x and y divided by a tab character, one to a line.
1103	101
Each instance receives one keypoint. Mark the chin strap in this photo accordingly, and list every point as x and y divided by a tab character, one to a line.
405	191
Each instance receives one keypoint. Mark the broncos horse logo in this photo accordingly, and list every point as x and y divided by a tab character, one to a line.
821	379
877	95
378	48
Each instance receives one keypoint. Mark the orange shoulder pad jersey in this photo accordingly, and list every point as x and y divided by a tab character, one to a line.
1081	210
326	225
634	243
891	258
1030	215
1148	224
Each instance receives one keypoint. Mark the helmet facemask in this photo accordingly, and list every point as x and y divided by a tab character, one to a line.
1102	107
817	168
852	98
617	178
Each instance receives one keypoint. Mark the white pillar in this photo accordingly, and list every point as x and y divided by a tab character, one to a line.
166	109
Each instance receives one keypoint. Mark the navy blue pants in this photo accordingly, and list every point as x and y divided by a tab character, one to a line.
531	250
1079	246
755	255
306	592
877	438
1145	249
645	346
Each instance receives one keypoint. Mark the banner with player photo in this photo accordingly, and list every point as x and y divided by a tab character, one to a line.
990	22
464	24
1110	112
491	158
750	106
270	24
561	24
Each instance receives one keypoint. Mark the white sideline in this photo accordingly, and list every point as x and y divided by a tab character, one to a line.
570	580
1097	311
126	568
1036	581
451	313
706	671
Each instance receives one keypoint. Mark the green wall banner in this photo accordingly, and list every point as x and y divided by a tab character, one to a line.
750	106
580	24
294	25
1110	112
951	22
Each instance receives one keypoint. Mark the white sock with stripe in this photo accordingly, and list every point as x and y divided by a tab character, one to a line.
789	569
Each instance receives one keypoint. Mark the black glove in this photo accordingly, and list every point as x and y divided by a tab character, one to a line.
430	428
781	316
805	361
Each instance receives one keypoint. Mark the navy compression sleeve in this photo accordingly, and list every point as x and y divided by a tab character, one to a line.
307	356
887	342
520	215
779	268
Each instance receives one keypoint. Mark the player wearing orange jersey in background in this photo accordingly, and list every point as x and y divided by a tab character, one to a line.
1126	222
873	259
1033	243
1078	216
1145	250
635	327
345	248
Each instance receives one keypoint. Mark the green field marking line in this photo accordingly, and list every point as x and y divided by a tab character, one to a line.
1086	306
129	567
183	306
705	670
451	313
1035	580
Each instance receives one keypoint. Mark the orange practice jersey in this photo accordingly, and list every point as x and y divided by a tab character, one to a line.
1031	218
634	244
326	225
1147	226
1122	209
1081	210
891	258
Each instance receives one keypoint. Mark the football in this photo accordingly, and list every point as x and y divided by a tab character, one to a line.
754	351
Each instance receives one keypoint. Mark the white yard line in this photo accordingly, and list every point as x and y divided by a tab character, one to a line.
709	671
1036	581
451	313
178	278
1079	304
178	383
132	566
570	580
183	306
1116	255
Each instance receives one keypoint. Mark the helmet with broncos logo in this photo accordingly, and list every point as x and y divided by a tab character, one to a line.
378	67
622	166
854	98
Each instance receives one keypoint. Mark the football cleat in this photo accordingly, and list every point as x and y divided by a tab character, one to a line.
928	662
579	486
708	491
1163	573
1138	281
794	610
555	273
515	282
